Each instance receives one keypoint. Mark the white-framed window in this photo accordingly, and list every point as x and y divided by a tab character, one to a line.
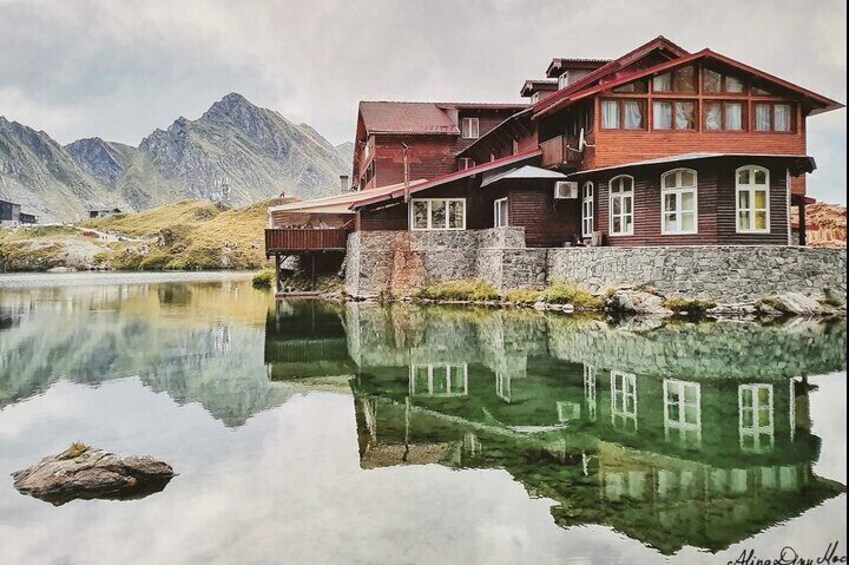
465	163
500	209
755	410
563	80
438	214
471	128
679	202
623	400
590	392
622	205
682	412
439	379
752	193
504	386
534	97
587	209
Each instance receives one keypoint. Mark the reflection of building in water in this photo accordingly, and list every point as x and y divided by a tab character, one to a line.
680	455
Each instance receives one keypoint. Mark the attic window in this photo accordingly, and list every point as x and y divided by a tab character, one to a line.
680	80
717	82
563	80
638	86
471	128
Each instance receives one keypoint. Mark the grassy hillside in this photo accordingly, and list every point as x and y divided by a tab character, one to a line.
186	235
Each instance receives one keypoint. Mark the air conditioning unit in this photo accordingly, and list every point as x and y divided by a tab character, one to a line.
565	189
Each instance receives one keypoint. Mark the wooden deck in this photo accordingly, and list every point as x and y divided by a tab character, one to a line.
289	240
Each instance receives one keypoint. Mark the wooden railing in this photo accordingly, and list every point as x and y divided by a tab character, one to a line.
295	239
560	150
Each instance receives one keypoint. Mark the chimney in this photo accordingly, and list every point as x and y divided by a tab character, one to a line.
343	183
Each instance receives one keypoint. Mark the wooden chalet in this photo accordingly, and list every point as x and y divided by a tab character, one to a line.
657	147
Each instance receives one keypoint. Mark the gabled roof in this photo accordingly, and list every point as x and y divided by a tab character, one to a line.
659	44
559	63
420	118
579	91
525	172
374	197
535	85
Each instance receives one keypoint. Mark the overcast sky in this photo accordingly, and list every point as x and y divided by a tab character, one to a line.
120	68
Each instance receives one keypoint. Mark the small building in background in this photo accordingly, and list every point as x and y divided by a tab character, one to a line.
11	215
103	212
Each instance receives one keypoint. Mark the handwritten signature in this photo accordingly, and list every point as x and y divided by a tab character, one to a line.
789	556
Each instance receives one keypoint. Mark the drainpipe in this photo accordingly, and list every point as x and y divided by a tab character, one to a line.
406	173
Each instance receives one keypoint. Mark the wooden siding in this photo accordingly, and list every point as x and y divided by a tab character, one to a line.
284	219
304	239
716	193
547	222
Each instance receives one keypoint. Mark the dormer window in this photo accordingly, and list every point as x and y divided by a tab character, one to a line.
563	80
471	128
534	97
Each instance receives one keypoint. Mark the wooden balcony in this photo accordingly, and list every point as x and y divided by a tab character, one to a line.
561	150
287	240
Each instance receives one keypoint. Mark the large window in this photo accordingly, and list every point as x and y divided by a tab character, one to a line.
773	117
723	116
673	114
682	412
680	80
717	82
755	411
622	205
438	214
501	219
439	379
471	128
588	210
623	114
623	400
679	213
752	189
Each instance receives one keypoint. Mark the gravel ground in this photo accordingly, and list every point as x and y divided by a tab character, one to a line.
89	278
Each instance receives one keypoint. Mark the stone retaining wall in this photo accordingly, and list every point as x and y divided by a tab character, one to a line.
402	262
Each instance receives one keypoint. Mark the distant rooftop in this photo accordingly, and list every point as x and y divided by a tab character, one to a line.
420	118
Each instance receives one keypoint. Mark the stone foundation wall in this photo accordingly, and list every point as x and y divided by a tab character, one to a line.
403	262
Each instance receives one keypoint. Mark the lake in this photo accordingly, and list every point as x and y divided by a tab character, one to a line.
305	431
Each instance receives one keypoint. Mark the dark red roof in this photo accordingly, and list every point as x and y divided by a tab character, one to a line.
420	118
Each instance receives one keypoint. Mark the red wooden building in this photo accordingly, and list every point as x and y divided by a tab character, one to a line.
657	147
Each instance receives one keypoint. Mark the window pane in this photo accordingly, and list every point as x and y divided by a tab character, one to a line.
626	205
782	117
685	115
733	116
763	117
743	199
743	177
760	199
669	223
713	115
670	202
455	213
688	201
712	81
669	181
627	222
627	183
639	86
743	220
437	214
420	214
760	220
760	177
617	225
683	80
617	205
688	221
688	178
733	84
633	114
662	83
610	114
662	115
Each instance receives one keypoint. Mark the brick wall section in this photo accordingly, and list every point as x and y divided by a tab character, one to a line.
403	262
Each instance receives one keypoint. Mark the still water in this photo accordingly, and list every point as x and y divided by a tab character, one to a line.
314	432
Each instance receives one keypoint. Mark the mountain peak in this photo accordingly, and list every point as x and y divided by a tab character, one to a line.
232	104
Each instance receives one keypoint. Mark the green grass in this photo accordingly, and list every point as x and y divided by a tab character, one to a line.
473	290
692	307
77	448
523	296
567	292
263	279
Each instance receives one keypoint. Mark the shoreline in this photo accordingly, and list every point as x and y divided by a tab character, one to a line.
95	278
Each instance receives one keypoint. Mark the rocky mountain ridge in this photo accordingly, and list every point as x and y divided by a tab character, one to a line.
234	153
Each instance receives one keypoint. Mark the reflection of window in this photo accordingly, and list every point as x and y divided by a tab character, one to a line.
752	184
589	392
503	386
500	206
682	411
471	444
438	214
438	379
757	432
622	205
678	203
568	411
623	400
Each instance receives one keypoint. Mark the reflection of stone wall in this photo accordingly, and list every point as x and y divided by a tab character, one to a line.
403	262
709	350
725	274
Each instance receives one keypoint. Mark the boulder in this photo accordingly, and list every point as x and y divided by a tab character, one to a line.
87	472
795	304
625	301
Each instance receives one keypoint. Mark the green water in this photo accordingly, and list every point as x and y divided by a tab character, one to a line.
318	432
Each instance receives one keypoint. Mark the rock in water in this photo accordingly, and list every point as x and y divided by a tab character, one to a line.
87	472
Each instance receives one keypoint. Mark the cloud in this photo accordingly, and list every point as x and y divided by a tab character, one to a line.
119	70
